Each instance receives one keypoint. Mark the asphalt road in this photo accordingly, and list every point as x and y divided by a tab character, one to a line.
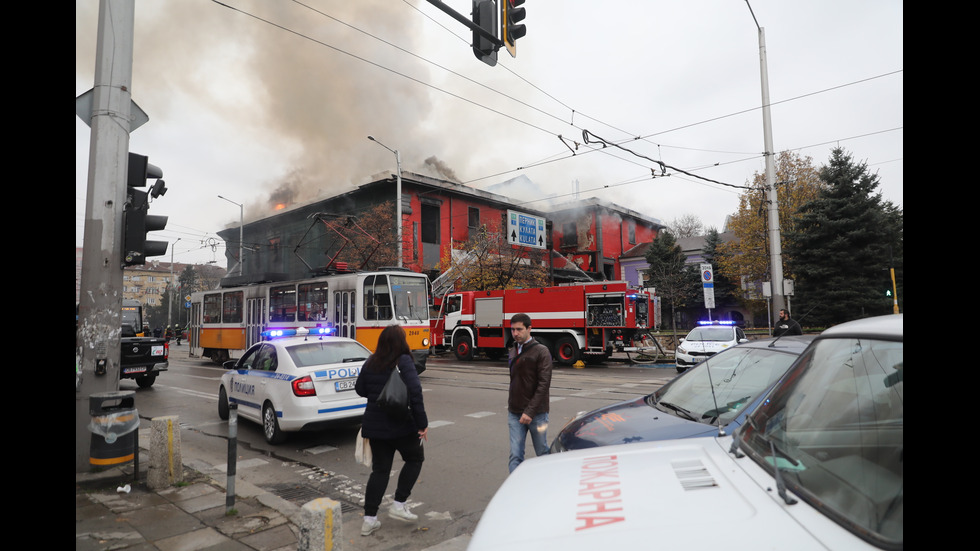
466	452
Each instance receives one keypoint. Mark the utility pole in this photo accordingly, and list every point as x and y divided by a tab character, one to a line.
100	302
775	243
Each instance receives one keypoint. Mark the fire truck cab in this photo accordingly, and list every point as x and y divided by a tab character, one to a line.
575	321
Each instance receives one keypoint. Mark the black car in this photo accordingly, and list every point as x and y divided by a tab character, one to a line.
712	397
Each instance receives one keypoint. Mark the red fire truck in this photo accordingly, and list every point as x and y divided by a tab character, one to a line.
583	321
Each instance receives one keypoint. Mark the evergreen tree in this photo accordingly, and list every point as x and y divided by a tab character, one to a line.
843	245
725	295
674	281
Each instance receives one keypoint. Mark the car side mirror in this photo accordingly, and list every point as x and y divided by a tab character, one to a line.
230	364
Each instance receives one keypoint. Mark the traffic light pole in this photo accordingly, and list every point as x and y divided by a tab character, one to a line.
469	24
97	341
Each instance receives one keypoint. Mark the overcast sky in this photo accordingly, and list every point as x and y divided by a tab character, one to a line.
261	101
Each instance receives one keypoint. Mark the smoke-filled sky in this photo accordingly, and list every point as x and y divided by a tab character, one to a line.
261	101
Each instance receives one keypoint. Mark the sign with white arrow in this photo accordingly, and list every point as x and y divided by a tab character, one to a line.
526	230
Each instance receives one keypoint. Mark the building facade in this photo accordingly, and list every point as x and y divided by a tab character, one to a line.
587	238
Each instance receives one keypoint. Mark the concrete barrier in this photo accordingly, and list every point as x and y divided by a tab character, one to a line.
166	465
320	526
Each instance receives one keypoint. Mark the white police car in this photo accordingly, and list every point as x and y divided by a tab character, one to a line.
819	465
707	339
294	381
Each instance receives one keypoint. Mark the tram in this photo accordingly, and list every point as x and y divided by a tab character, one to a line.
225	322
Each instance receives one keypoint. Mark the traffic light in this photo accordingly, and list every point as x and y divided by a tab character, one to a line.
485	17
511	27
136	218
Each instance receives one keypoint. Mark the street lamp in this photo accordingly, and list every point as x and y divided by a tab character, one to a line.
775	245
241	232
398	195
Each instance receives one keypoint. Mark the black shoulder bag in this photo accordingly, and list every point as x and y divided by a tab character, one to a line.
394	396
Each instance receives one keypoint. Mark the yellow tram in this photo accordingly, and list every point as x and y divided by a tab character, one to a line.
227	321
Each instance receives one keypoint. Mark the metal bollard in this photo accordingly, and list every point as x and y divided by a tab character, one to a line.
232	456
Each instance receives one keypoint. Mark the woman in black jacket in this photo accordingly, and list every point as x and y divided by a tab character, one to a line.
388	434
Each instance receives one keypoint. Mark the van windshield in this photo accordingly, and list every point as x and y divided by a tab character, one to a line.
835	431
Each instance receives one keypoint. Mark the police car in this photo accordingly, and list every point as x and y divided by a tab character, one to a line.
294	381
819	465
707	339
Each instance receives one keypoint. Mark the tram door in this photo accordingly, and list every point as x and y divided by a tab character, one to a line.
255	312
343	317
195	333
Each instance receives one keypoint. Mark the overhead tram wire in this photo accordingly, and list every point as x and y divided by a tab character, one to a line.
390	70
571	109
378	65
743	111
496	111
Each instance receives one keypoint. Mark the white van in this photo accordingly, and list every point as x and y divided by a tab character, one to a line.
818	465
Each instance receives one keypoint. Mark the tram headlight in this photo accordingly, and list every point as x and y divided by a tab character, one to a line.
425	341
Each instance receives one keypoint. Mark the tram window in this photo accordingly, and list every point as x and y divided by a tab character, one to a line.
212	308
370	312
282	303
231	311
348	307
411	300
377	299
312	301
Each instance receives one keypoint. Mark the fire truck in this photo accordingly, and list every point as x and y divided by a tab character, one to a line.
576	321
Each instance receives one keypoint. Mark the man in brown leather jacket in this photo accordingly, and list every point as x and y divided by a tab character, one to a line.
527	400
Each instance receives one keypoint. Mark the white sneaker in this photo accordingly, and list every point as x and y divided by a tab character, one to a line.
370	526
401	512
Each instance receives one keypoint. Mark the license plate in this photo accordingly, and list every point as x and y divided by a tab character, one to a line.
344	385
134	369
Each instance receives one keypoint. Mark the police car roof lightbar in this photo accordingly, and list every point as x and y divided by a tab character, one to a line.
297	332
717	322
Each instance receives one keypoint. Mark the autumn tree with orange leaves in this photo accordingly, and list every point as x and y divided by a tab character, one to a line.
746	257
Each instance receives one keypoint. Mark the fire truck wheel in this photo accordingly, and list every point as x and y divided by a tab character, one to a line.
566	351
463	348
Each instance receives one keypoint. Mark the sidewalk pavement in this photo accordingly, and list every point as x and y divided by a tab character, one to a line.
187	517
112	512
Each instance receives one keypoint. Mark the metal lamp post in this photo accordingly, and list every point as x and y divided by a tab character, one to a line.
398	195
241	233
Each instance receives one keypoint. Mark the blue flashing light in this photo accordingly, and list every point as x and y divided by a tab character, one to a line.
718	322
278	333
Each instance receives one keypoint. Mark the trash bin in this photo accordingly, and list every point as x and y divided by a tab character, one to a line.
113	426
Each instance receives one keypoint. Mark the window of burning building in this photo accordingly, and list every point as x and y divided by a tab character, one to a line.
569	234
